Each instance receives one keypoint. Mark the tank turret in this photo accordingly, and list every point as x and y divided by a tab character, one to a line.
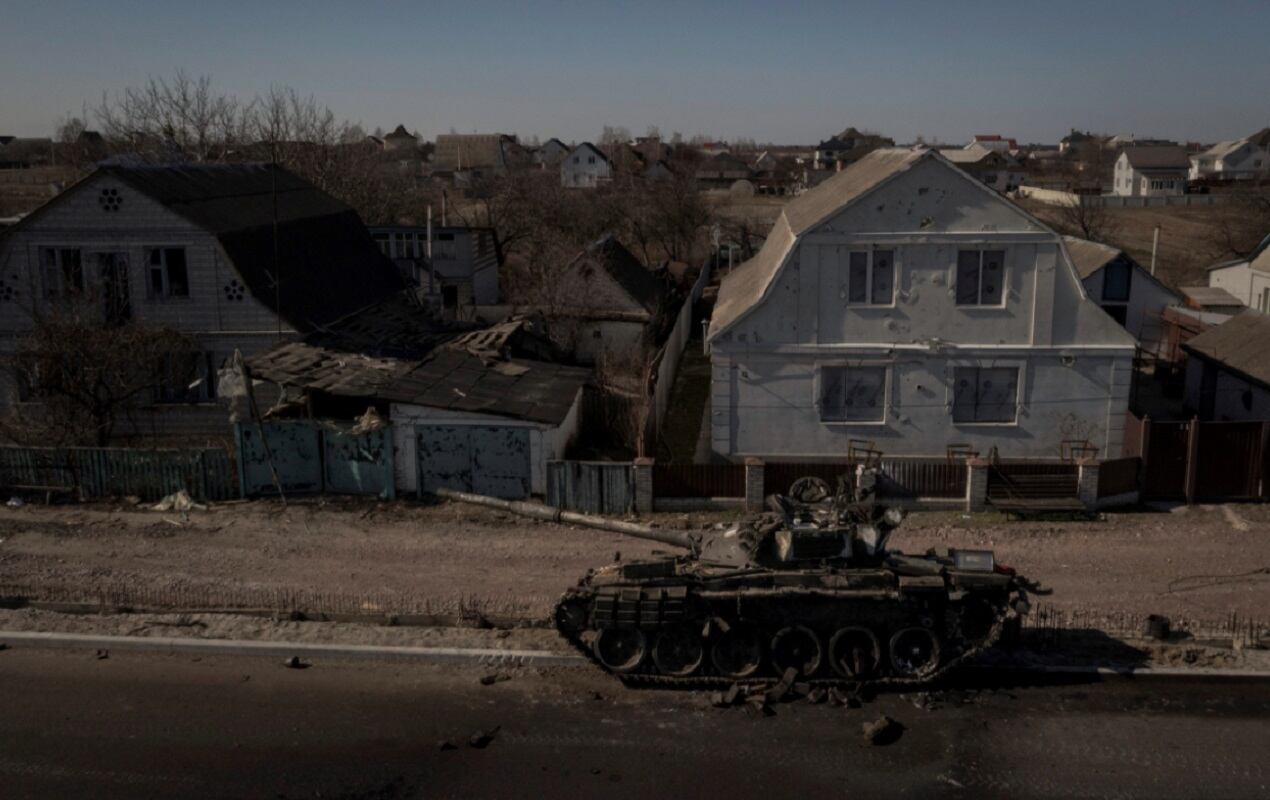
810	585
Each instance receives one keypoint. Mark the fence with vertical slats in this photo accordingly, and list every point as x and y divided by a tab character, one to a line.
89	472
699	480
901	477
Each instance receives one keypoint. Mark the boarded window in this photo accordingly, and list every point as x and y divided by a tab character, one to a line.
852	394
985	394
980	277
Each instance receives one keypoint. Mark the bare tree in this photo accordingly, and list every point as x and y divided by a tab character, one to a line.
170	118
1086	218
86	379
1243	224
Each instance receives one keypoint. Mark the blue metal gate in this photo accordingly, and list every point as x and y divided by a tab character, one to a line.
593	487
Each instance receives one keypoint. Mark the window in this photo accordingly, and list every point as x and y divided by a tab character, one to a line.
63	271
852	394
443	249
381	239
985	394
871	277
590	159
186	378
404	245
1116	280
980	277
168	275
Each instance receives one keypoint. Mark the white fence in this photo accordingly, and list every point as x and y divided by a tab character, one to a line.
1055	197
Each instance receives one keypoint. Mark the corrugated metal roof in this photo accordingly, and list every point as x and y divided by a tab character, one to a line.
1238	344
1209	297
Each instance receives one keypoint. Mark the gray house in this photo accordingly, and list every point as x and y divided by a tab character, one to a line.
463	270
1228	374
586	167
1128	293
236	256
903	302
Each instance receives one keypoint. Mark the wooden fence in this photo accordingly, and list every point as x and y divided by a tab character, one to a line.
1118	476
89	472
1205	461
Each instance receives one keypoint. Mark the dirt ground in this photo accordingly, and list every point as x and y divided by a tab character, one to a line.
1195	563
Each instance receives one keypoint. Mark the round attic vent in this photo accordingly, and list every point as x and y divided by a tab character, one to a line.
110	199
234	290
7	291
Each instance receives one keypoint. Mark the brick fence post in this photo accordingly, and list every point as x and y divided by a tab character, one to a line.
643	485
976	484
754	484
1087	483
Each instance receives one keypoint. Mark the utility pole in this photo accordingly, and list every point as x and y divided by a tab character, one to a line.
1155	246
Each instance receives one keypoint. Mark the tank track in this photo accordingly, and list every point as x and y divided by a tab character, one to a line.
707	682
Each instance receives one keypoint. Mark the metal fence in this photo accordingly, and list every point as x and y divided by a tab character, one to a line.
1118	476
90	472
593	487
900	478
699	480
312	457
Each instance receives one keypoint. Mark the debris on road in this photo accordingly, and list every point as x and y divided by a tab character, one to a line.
481	739
294	662
882	731
446	744
178	501
494	677
102	655
15	502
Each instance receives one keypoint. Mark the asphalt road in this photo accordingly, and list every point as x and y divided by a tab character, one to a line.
146	725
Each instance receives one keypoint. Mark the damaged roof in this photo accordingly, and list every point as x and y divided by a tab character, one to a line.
327	264
500	370
1239	345
746	285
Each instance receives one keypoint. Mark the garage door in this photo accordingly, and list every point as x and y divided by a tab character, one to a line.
485	459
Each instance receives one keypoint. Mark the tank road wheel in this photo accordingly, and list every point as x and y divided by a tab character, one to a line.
738	653
620	649
678	651
796	647
914	652
854	653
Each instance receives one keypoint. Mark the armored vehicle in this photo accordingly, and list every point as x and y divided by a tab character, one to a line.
810	586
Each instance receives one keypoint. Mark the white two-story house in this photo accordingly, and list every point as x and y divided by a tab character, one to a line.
586	167
1246	278
905	303
1238	159
238	257
1150	171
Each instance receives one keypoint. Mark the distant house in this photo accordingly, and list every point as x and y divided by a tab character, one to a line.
658	171
995	167
764	163
586	167
1151	171
846	148
1074	141
1228	373
1239	159
1120	286
400	140
236	256
473	155
721	171
551	153
903	302
992	141
478	410
615	305
1247	279
463	271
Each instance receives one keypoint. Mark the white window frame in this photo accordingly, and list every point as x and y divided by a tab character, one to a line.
1020	389
1005	277
868	278
53	275
162	267
887	368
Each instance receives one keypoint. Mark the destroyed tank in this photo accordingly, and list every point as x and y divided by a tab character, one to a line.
808	587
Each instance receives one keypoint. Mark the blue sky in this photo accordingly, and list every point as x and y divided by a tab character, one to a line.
786	72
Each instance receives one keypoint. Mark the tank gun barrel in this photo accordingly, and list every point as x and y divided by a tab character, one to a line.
552	514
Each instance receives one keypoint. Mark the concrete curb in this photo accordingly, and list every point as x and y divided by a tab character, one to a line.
244	647
511	658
